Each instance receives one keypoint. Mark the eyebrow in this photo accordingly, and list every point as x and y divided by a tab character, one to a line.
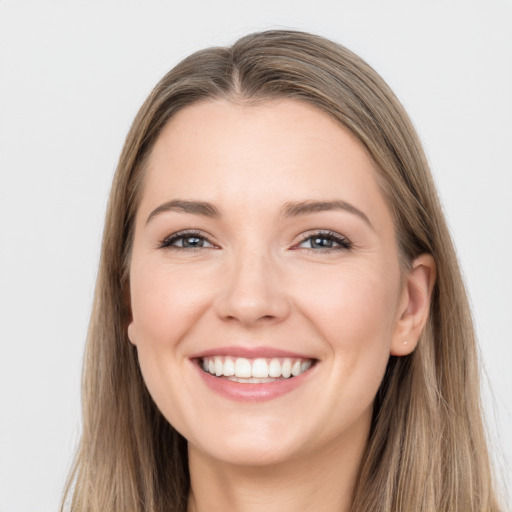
194	207
290	209
307	207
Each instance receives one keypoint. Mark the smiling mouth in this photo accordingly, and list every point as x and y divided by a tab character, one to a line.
255	371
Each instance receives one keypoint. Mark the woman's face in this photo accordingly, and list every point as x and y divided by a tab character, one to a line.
263	247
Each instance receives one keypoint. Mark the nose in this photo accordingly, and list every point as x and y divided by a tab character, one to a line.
253	292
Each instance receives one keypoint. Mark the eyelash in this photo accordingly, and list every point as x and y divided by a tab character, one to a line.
343	243
167	242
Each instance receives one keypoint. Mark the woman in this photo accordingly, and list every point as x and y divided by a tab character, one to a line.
279	319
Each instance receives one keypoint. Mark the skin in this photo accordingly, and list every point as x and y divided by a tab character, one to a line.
259	281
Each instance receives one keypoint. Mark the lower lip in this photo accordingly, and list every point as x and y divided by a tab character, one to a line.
242	392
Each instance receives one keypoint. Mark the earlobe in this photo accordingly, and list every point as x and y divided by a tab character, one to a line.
129	315
131	333
414	307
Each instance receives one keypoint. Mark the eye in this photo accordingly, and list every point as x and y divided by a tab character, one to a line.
186	240
324	241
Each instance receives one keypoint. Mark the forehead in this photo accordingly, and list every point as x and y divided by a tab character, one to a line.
241	155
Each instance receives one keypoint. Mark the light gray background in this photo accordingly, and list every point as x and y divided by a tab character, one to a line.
72	76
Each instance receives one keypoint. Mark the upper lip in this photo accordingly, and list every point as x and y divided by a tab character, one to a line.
249	353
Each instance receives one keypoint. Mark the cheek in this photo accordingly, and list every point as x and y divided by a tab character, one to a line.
354	312
165	306
164	303
352	305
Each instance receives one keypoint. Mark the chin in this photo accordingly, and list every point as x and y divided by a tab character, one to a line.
252	447
252	456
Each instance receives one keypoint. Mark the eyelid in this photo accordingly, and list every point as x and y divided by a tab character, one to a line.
343	242
166	243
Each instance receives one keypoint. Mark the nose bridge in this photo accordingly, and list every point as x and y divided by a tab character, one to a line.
252	291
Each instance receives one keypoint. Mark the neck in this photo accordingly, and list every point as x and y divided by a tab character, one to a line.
323	480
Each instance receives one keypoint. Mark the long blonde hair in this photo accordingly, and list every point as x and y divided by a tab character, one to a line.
427	448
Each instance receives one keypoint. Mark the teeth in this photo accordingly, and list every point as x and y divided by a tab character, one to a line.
260	368
218	366
305	365
229	367
252	380
257	370
286	368
274	368
243	367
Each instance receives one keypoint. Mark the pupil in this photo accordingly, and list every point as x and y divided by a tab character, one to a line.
322	242
192	241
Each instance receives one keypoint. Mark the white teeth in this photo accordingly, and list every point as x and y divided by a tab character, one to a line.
305	365
258	370
286	368
229	367
218	366
243	367
252	380
274	368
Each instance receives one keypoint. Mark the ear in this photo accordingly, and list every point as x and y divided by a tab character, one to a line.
414	305
131	333
130	330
